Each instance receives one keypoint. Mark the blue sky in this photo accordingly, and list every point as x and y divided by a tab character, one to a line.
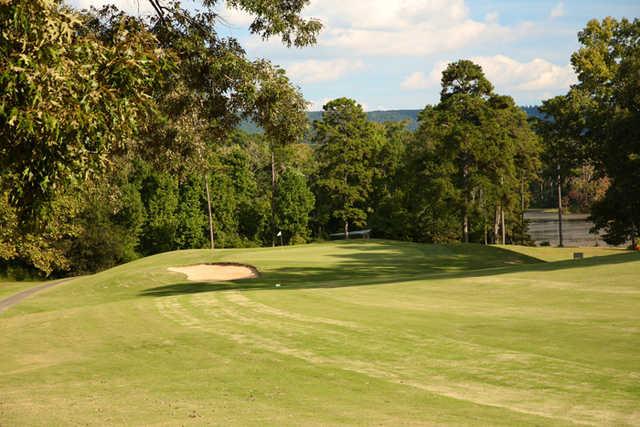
388	54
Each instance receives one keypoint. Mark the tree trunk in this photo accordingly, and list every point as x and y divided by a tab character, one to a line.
496	225
273	198
465	222
465	228
485	233
504	231
346	230
560	236
522	207
206	186
465	225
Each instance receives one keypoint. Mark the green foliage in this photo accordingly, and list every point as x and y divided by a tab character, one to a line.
275	17
464	77
110	225
388	198
190	215
43	245
8	228
598	122
66	99
608	67
160	195
473	155
293	203
127	116
345	155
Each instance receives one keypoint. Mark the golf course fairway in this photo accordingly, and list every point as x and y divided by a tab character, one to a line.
359	333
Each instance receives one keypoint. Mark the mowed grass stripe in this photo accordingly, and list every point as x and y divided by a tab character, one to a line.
258	333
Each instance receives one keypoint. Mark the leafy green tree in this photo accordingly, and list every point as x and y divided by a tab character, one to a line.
608	69
458	128
82	91
465	160
161	197
564	148
464	78
294	201
345	154
517	163
271	18
43	247
110	222
190	214
465	119
280	110
389	218
67	101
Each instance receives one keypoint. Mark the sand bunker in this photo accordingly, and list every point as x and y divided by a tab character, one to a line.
216	272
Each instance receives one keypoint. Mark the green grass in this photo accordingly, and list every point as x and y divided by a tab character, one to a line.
368	332
8	288
547	253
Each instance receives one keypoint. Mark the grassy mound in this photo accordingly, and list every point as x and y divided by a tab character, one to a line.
368	332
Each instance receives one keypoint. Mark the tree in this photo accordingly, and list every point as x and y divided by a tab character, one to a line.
271	17
214	86
608	69
191	220
67	101
110	222
465	160
464	78
100	111
161	197
561	130
293	203
389	217
281	111
345	155
517	164
462	102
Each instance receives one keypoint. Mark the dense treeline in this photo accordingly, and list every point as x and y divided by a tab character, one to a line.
120	139
111	125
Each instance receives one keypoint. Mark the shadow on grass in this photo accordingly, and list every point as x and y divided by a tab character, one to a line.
381	262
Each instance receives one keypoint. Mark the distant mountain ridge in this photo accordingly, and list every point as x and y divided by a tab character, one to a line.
411	116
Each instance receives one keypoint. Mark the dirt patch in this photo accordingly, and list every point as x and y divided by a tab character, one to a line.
216	272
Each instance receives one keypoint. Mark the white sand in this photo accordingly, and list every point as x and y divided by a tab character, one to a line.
215	273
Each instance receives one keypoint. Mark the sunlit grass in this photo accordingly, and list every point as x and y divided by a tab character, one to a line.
366	333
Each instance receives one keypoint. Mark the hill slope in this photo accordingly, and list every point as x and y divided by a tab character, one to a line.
358	333
410	116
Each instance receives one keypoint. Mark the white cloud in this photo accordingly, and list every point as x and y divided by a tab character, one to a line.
508	75
404	27
235	17
317	105
536	75
419	80
492	17
313	71
416	81
557	11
